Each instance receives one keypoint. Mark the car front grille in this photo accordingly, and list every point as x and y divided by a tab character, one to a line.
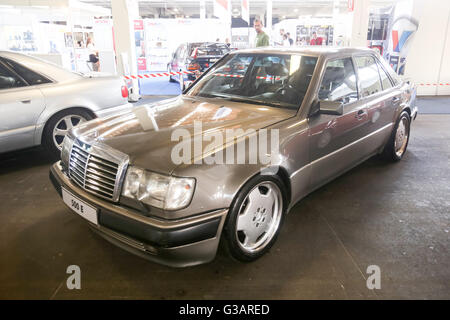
94	173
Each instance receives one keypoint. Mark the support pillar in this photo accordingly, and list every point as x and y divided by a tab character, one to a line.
360	23
124	13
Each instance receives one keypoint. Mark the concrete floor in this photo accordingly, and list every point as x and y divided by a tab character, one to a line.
396	216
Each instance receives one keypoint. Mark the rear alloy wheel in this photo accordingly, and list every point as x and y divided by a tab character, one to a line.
58	126
255	218
398	142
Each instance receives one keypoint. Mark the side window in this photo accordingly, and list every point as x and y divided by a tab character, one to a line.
385	81
31	77
368	75
9	80
339	82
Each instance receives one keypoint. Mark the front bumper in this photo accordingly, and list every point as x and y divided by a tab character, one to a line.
175	243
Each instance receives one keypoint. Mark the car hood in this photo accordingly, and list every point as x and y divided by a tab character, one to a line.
149	133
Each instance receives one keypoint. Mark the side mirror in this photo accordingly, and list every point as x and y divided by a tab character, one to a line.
331	107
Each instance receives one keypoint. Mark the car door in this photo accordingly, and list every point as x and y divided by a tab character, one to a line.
380	98
20	107
391	92
334	139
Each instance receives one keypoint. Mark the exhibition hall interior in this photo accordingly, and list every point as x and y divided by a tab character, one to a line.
224	149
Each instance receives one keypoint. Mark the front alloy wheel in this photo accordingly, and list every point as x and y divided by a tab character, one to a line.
259	217
255	218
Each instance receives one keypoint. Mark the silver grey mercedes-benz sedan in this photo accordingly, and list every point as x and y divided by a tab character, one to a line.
227	159
40	101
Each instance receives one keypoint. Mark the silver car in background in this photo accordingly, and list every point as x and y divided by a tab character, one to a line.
40	101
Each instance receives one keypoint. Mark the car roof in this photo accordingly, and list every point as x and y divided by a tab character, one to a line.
327	52
41	66
206	44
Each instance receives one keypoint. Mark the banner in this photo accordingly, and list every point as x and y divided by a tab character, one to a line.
401	31
245	11
222	9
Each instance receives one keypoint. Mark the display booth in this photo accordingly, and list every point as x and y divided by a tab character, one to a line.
157	39
333	31
56	33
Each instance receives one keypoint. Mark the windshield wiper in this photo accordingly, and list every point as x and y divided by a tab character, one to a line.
248	100
259	102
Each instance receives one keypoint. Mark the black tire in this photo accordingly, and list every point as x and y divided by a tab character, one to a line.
170	77
47	137
229	235
389	152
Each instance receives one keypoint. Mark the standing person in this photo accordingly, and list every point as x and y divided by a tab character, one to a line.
291	42
262	39
286	41
281	38
93	54
315	41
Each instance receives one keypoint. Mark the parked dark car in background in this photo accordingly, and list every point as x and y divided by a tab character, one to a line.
195	57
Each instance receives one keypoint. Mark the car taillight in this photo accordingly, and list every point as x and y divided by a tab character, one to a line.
193	66
124	90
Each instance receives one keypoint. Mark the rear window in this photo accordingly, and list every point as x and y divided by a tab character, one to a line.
211	50
30	76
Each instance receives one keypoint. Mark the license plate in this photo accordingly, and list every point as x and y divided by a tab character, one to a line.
82	208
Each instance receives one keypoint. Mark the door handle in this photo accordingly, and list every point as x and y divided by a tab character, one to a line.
360	114
395	99
26	101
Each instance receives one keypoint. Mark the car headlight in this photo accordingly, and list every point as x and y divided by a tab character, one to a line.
165	192
65	150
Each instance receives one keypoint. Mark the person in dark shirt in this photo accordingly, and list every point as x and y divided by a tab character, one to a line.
291	42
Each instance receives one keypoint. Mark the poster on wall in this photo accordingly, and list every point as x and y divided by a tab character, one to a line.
68	39
305	32
139	38
156	38
20	38
103	34
142	64
240	38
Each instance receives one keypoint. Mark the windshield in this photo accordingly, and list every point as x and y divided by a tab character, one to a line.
279	80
